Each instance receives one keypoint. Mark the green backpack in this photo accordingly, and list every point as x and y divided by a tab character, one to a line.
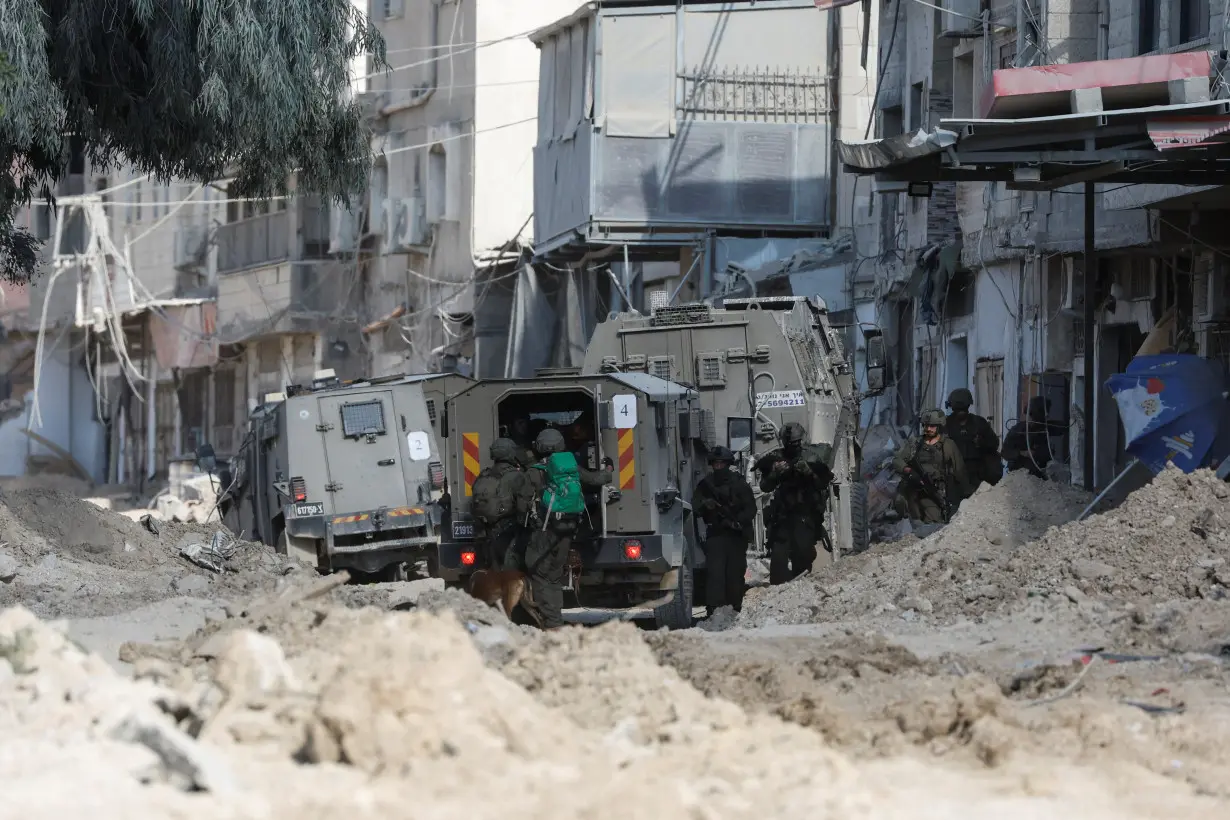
563	493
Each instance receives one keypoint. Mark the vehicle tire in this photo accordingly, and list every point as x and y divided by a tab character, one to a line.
860	527
678	613
302	550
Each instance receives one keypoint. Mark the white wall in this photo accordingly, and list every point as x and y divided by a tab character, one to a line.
507	92
66	405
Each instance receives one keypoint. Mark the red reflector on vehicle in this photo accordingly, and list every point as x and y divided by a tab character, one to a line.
298	489
632	550
467	559
436	470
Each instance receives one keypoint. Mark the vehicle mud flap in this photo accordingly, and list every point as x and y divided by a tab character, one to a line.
678	613
860	527
302	550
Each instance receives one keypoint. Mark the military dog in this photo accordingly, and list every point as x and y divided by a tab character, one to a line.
504	589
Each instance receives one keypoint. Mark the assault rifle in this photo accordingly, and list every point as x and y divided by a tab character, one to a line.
929	489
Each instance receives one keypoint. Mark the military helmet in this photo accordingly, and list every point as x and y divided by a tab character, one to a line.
933	418
961	399
721	453
504	449
792	433
549	441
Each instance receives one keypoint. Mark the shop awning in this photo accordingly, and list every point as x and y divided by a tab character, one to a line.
1180	143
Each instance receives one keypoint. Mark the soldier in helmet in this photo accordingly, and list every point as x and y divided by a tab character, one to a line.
501	496
725	502
975	438
798	475
558	504
932	473
1028	445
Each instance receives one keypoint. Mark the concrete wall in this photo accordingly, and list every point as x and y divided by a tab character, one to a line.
145	220
1124	26
66	406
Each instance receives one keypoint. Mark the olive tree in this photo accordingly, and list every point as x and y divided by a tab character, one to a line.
252	90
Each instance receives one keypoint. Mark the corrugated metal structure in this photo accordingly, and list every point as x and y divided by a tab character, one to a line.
659	122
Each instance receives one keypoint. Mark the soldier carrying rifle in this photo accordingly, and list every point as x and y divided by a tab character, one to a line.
933	477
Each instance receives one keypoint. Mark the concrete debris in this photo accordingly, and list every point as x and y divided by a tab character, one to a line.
185	762
212	556
197	503
8	566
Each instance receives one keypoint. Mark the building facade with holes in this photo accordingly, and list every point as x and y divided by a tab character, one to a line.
118	332
452	189
980	285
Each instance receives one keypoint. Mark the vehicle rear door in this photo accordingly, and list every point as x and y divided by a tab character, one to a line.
627	431
363	452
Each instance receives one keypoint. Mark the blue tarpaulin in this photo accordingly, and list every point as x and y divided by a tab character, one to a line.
1174	410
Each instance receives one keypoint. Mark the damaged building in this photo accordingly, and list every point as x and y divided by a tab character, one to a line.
1018	148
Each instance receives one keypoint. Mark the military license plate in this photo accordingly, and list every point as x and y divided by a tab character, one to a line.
310	508
463	530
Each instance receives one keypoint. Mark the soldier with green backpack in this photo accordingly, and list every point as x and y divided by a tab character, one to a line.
559	486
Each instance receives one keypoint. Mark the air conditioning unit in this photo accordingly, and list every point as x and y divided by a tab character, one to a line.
405	223
1072	295
1209	293
344	230
191	247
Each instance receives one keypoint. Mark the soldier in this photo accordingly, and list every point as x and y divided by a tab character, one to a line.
798	478
725	502
500	493
557	481
975	438
1028	445
933	473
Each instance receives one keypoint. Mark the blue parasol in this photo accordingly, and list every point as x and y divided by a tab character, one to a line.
1174	410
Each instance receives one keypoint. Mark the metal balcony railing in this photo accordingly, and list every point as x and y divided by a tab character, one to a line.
259	240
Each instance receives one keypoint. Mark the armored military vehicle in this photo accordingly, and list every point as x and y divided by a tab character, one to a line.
346	475
637	545
758	364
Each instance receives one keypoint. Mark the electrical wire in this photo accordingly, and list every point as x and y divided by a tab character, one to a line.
469	48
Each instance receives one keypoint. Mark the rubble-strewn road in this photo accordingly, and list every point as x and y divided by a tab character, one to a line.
1007	666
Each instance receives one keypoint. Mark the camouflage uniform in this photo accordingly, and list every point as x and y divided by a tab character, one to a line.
798	476
940	463
546	554
725	502
975	438
497	540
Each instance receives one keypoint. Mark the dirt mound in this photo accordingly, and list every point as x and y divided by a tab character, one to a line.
61	556
350	715
937	576
1169	539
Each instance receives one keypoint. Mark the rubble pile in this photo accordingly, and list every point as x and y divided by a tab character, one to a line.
1169	539
1019	541
947	573
62	556
353	712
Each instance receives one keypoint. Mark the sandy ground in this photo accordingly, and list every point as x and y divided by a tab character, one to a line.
1011	665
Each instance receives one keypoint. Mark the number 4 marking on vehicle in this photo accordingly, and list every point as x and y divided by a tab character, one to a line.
625	412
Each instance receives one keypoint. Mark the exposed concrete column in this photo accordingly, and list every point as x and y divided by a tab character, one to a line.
1091	274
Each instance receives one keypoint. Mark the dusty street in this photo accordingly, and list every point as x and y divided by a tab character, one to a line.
1010	665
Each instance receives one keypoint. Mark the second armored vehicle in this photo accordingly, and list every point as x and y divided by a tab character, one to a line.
758	364
345	476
